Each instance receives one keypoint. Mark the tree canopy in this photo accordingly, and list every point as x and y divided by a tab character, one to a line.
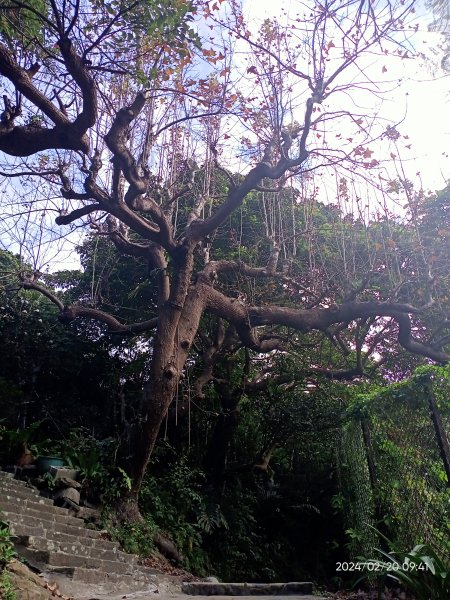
204	151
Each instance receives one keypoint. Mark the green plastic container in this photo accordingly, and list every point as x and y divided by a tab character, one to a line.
44	463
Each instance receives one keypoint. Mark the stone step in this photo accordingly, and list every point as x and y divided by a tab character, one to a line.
57	542
12	503
112	581
206	588
24	493
92	549
26	525
38	513
63	560
10	477
57	539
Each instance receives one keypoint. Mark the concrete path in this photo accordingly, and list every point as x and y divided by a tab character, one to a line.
150	596
166	590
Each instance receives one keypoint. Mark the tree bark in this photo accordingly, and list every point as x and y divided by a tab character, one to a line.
178	323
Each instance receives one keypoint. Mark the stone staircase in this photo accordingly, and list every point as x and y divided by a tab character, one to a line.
58	544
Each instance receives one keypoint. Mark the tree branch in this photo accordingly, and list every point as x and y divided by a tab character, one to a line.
77	214
198	229
22	82
116	141
31	284
72	312
76	68
29	139
246	318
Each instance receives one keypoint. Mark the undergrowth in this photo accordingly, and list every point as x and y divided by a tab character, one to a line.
7	553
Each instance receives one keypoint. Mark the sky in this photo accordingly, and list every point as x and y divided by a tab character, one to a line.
421	102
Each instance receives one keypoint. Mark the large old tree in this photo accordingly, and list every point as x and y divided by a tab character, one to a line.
116	116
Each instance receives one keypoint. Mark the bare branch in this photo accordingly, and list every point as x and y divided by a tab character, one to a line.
77	214
72	312
31	284
23	83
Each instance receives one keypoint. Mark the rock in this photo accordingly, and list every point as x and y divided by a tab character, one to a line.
59	472
67	482
29	585
167	548
211	580
67	494
204	588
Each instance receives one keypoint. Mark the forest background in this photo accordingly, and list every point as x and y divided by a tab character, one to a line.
257	264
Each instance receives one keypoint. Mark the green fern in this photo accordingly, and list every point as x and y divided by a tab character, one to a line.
211	519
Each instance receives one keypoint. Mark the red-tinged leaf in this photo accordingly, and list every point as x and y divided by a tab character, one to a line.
252	70
359	121
384	69
393	156
367	153
349	139
409	146
318	135
226	136
215	6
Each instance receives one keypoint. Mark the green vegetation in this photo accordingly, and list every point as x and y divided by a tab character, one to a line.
6	589
274	479
395	476
7	553
421	570
240	368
